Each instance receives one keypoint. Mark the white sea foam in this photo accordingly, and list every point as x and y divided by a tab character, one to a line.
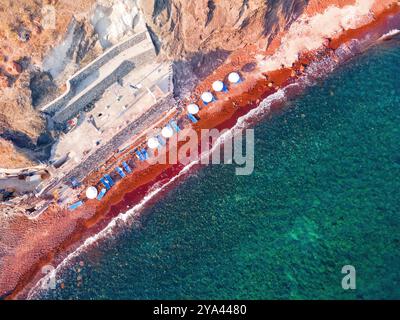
311	33
390	34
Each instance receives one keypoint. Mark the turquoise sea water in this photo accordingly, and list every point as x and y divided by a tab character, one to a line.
324	194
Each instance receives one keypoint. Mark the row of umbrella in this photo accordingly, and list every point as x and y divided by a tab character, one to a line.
207	97
167	132
217	86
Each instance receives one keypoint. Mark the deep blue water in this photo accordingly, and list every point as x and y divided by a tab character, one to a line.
324	194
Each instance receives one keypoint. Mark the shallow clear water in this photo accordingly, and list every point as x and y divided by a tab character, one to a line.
324	194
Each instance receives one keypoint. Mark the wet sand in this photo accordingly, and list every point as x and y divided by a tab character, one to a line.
57	232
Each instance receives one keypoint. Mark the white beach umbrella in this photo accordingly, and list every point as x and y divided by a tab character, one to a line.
193	108
218	86
234	77
207	97
91	192
167	132
152	143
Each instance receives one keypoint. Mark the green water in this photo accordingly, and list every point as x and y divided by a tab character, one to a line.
324	194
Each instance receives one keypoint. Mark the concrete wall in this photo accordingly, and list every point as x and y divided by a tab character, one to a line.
125	67
72	83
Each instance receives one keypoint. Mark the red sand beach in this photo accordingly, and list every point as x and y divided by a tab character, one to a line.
56	232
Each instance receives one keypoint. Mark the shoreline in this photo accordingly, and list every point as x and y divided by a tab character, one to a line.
134	187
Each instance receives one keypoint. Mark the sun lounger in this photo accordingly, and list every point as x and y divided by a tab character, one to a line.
192	118
126	167
120	172
75	205
101	194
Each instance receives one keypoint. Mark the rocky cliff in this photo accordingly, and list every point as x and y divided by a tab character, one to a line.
187	27
28	31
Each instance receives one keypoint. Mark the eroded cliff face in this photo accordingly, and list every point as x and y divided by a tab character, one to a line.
186	27
28	31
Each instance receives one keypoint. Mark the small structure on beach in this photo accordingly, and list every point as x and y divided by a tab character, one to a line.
139	155
192	118
120	172
109	179
105	183
145	154
126	167
101	194
161	140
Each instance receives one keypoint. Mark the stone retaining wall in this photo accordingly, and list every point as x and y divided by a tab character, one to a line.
72	83
125	67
